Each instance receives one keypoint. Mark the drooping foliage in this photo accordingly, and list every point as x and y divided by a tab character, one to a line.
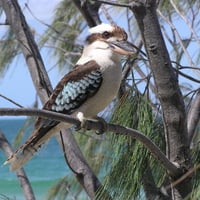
9	48
63	32
129	158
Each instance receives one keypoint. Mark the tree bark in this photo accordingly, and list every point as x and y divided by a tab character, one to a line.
78	164
150	189
168	92
193	117
89	11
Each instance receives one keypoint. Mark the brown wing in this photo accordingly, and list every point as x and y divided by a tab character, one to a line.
70	93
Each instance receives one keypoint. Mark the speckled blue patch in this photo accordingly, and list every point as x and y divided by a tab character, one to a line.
74	93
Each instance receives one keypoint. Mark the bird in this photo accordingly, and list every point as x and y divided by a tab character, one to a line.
87	89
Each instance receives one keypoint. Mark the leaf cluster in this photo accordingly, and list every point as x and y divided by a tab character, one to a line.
63	32
9	48
129	158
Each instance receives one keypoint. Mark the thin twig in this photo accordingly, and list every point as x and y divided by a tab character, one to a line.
10	100
183	177
186	20
186	76
179	38
114	3
107	15
185	67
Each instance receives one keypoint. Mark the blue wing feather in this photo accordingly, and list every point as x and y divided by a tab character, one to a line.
74	93
73	90
70	93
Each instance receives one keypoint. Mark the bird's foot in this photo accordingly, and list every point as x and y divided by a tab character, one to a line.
84	124
103	125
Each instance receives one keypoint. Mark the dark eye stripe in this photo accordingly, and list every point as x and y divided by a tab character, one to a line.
106	35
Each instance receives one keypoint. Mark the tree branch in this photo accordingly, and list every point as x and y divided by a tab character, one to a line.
169	94
96	125
79	166
183	177
149	186
89	11
114	3
11	101
193	116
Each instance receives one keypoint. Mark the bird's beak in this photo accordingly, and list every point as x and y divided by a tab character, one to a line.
122	47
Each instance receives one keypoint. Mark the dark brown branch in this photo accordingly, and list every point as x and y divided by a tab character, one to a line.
183	177
79	166
112	3
89	11
193	116
11	101
95	125
21	175
168	91
186	76
149	186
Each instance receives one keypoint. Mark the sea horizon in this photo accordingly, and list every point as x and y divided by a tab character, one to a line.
43	171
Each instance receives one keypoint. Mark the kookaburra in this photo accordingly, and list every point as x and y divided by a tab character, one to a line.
87	89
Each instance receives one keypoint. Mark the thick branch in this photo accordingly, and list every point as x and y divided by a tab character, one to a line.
193	116
169	94
89	11
21	175
166	83
79	166
114	3
95	125
149	186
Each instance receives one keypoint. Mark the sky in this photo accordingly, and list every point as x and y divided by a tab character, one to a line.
17	84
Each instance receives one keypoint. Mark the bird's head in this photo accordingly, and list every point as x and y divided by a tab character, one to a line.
112	37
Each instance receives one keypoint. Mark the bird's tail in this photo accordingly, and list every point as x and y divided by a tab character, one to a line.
23	154
29	148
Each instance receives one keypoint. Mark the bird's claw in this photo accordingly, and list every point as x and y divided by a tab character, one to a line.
83	121
103	125
84	125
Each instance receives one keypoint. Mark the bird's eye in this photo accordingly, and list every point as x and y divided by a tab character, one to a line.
106	34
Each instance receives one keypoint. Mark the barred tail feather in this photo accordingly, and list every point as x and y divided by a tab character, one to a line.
24	153
27	150
19	158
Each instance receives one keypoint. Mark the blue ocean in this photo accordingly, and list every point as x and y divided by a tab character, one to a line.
43	171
